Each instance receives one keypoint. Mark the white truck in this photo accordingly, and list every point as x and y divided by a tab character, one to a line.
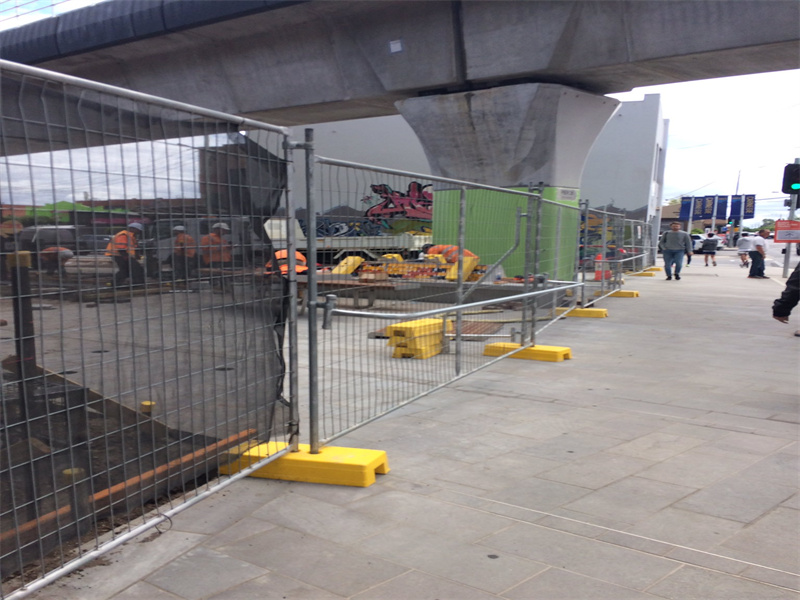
331	250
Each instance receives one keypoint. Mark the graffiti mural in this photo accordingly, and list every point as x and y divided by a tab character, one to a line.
397	212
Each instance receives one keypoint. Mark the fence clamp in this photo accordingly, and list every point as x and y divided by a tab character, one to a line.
327	317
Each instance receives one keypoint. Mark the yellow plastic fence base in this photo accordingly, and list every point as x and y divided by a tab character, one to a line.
625	294
654	269
419	353
590	313
643	274
333	465
545	353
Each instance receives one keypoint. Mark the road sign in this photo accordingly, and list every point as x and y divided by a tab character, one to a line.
787	232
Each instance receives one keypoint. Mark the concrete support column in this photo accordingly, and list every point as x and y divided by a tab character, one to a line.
509	136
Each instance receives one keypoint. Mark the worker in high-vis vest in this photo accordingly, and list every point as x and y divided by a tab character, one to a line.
184	253
215	250
282	261
124	249
450	253
53	259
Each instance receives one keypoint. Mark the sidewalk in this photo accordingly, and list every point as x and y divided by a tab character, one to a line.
660	462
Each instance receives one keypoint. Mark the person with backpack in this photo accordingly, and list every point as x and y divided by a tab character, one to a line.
709	247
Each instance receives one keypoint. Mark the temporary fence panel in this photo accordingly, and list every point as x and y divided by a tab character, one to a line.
408	318
610	247
127	378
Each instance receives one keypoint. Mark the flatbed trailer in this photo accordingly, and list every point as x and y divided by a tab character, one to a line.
333	249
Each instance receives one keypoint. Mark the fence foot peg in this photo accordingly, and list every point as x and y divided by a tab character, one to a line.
544	353
333	465
654	269
643	274
592	313
625	294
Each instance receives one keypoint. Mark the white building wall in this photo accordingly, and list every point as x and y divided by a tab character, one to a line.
625	168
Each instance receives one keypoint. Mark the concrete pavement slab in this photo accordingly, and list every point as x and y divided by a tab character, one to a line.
660	462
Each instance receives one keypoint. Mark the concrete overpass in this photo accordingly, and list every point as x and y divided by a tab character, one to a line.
504	92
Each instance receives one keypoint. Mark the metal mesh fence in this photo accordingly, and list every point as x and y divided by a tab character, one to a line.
131	362
409	317
611	246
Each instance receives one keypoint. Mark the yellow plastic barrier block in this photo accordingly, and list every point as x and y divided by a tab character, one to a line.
414	329
591	313
333	465
347	266
654	269
625	294
470	262
643	274
421	354
543	353
422	342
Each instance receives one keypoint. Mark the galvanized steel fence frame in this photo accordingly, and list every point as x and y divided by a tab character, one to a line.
354	377
118	407
611	245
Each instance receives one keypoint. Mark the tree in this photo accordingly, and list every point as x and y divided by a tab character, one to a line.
768	224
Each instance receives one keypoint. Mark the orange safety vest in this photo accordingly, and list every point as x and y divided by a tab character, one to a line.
184	245
450	253
122	243
53	253
215	249
282	258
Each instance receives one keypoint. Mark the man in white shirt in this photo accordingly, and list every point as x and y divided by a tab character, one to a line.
757	255
744	244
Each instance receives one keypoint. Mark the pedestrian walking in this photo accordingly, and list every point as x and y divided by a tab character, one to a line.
709	248
758	254
743	246
673	245
782	307
124	249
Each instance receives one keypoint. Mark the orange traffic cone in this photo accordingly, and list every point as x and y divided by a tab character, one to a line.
599	275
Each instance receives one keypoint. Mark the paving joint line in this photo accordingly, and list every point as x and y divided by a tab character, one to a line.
632	535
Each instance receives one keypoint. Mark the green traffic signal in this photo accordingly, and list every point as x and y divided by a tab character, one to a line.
791	179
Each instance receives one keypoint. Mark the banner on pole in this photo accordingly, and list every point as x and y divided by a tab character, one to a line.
686	208
749	206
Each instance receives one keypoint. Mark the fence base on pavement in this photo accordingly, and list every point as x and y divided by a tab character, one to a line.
591	313
643	274
625	294
333	465
544	353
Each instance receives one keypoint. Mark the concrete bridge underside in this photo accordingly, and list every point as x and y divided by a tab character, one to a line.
510	92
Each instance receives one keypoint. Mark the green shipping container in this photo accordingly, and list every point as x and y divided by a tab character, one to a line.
491	225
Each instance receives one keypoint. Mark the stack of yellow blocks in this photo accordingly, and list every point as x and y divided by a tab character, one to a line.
417	339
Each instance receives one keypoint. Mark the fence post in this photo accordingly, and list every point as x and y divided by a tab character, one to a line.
311	294
462	229
583	226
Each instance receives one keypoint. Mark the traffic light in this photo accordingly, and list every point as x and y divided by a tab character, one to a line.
791	179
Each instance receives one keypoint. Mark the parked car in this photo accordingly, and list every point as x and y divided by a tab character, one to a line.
697	242
92	243
77	238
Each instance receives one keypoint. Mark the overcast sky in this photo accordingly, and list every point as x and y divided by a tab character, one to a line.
730	130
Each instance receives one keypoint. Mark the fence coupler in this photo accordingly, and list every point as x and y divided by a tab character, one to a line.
327	317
